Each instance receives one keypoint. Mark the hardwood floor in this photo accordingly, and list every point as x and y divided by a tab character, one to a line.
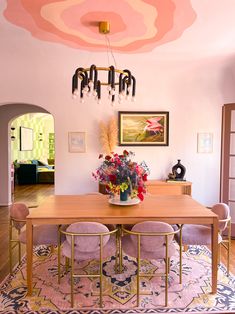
33	195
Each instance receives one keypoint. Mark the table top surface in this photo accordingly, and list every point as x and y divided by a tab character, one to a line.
97	207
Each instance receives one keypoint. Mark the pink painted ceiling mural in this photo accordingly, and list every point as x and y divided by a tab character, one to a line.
135	26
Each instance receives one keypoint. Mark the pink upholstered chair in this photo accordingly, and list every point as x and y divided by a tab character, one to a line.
85	241
42	235
201	234
151	240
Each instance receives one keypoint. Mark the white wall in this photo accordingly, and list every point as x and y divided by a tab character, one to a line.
193	92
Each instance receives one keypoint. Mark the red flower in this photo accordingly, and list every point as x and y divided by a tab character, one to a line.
125	153
112	178
100	156
140	196
145	177
108	157
140	189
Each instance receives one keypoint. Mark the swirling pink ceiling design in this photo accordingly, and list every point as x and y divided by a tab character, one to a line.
136	26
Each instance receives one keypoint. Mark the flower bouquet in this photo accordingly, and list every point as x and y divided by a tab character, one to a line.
122	176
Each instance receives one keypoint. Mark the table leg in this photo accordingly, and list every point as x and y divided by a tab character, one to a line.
29	252
214	252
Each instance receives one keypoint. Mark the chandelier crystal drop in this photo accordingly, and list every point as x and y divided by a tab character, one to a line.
120	82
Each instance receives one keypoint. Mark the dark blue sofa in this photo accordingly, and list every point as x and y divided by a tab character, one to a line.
36	172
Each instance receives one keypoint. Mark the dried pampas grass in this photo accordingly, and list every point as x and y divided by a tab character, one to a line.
108	136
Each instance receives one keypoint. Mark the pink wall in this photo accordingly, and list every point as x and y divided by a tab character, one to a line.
192	90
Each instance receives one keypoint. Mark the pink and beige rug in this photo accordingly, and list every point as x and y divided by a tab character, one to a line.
192	296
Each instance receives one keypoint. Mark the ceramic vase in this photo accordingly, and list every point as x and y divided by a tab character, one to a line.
123	195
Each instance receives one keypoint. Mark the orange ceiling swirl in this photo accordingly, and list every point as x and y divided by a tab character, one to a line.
136	26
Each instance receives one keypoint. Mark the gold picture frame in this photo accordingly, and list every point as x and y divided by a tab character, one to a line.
143	128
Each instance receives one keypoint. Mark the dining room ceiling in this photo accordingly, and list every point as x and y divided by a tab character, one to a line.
188	27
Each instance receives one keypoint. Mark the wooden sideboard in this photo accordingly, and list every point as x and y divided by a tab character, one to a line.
158	187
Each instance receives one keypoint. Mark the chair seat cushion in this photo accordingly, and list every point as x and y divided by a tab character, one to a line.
43	234
109	249
196	235
131	249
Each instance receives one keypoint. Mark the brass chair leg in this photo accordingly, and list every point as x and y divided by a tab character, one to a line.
59	255
120	252
72	271
117	254
19	244
166	273
181	247
101	282
10	249
138	273
166	280
229	246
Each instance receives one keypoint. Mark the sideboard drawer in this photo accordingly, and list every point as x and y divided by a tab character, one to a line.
158	187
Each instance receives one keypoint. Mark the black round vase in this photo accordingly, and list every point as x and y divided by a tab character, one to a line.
179	171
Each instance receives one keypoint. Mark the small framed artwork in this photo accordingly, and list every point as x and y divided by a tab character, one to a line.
26	138
143	128
77	142
204	142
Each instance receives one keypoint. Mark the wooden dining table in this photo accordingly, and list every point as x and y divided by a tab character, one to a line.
173	209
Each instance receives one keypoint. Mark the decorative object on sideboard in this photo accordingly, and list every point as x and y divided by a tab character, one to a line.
108	135
91	82
178	172
13	133
143	128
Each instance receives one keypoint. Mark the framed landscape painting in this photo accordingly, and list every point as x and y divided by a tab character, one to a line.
143	128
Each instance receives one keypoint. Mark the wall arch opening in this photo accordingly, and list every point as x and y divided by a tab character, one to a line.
8	112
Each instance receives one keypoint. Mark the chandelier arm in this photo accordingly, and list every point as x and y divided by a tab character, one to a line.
128	81
74	83
133	85
92	68
95	78
120	83
112	71
98	90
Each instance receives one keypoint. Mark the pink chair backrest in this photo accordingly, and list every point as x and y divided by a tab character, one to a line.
87	243
19	211
223	212
151	243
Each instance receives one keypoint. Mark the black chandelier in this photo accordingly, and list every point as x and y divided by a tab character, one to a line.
120	82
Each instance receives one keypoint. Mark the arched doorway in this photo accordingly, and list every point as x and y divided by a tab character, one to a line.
7	113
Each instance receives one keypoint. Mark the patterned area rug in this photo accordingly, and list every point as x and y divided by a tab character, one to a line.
193	296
